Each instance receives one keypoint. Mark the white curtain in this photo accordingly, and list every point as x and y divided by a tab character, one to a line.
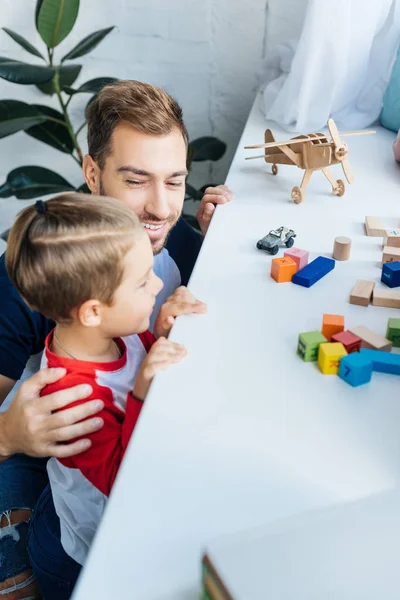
339	67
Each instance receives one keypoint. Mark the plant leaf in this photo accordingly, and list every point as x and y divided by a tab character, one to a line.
18	116
24	73
84	189
37	10
67	76
206	148
23	42
30	182
56	19
51	133
192	193
87	44
93	86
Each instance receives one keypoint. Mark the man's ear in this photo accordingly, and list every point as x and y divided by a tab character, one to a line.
91	173
89	313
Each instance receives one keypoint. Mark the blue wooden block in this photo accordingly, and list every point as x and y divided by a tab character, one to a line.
391	274
383	362
314	271
356	369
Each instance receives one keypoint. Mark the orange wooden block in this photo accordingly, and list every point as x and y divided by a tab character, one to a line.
283	269
332	324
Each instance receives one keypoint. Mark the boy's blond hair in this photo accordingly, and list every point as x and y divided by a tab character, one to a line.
71	252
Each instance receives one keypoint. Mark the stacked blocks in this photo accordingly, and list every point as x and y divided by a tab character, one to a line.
351	342
332	324
314	271
355	369
308	345
283	269
393	332
329	356
391	274
300	257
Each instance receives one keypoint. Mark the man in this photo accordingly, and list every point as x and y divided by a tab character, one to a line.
137	153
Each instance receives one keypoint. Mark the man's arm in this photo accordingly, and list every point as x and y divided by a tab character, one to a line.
31	426
6	385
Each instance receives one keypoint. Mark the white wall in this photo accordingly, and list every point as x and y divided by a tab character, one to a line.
206	53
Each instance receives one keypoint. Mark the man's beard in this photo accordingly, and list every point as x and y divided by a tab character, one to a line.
158	247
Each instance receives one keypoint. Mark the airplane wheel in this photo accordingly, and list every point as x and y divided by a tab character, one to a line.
297	196
340	188
274	170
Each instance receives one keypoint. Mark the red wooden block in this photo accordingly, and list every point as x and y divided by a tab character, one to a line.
351	342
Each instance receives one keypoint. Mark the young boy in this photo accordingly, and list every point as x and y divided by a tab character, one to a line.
86	262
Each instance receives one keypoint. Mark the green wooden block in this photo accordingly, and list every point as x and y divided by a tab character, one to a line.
393	332
308	345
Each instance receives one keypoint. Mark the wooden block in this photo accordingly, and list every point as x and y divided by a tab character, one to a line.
391	274
332	324
308	345
392	238
393	332
300	257
314	271
371	340
361	293
383	362
329	356
390	254
374	227
283	269
351	342
341	248
388	298
355	369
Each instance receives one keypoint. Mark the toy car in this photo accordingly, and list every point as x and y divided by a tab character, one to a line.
276	238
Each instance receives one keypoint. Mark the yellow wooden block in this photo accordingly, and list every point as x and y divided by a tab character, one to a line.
329	356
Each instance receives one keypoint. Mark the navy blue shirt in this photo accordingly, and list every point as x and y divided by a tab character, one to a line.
23	331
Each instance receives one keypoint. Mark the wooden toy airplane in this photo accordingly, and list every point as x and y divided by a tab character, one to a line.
312	152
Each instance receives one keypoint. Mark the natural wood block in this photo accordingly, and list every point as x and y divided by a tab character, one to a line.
374	227
341	248
389	298
392	238
370	339
332	324
361	293
329	356
299	256
390	254
351	342
283	269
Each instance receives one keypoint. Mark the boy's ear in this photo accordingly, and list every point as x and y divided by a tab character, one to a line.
91	173
89	313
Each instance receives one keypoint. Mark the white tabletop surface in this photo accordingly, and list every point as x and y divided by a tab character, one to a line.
244	432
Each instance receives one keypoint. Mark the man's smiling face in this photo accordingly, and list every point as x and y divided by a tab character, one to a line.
148	173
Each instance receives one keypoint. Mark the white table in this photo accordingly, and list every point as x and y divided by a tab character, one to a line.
244	432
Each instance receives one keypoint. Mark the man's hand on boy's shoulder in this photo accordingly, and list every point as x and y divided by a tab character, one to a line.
31	425
220	194
182	302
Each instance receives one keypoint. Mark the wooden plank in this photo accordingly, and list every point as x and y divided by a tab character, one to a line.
361	293
374	227
370	339
388	298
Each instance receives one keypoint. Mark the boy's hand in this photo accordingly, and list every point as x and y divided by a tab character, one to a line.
163	353
182	302
220	194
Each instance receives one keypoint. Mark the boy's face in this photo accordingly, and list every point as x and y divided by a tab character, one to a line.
134	299
146	172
